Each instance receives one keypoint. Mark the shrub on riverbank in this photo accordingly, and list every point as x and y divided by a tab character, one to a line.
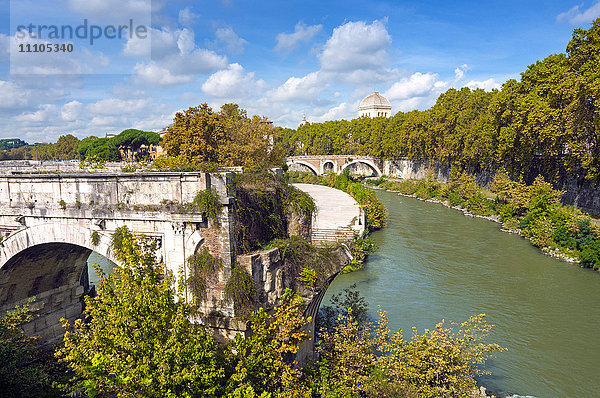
533	210
373	207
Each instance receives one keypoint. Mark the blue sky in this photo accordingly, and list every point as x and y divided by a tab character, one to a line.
279	59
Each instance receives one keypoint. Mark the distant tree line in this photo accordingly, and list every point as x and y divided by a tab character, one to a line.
65	148
69	147
548	117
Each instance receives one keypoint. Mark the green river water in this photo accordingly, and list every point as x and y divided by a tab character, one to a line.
434	263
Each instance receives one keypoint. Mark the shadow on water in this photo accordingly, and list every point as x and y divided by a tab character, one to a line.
434	263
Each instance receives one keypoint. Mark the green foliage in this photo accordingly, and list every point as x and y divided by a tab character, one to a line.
261	361
23	373
241	290
362	246
62	204
7	144
95	238
299	255
180	164
94	149
207	201
201	267
438	363
308	277
349	301
299	201
136	338
196	134
263	204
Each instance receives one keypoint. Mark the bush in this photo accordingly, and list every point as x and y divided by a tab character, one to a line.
207	201
590	255
201	266
241	290
540	231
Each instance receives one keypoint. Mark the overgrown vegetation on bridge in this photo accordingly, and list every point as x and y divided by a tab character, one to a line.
264	206
137	340
532	210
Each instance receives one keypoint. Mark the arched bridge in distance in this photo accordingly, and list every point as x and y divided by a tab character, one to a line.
323	164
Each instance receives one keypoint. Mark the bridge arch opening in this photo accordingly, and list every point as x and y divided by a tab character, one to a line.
57	276
328	167
300	165
363	167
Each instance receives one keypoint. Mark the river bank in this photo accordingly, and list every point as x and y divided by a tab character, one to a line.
530	211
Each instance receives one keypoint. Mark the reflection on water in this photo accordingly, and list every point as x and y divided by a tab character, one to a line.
434	263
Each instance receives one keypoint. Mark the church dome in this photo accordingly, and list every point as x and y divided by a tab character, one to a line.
374	100
374	105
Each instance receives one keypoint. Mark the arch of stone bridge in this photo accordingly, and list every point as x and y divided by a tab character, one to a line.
328	166
45	233
369	163
304	163
47	263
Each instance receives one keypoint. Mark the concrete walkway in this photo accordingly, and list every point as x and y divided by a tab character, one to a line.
338	214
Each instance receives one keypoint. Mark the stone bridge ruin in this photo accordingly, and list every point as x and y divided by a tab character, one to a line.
50	223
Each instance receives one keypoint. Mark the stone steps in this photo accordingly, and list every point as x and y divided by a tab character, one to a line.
329	235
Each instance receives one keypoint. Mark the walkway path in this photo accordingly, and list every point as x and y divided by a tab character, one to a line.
338	214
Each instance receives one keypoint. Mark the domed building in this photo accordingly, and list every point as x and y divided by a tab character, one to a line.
375	105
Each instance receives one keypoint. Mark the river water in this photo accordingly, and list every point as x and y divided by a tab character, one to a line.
434	263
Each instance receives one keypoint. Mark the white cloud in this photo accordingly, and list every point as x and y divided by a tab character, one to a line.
356	45
117	106
460	71
13	96
71	110
299	89
187	17
233	83
487	85
232	42
175	57
576	16
160	76
302	33
345	110
45	112
416	85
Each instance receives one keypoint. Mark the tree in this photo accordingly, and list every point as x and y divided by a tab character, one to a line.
133	139
248	141
362	360
136	338
98	149
65	147
262	361
196	134
20	374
